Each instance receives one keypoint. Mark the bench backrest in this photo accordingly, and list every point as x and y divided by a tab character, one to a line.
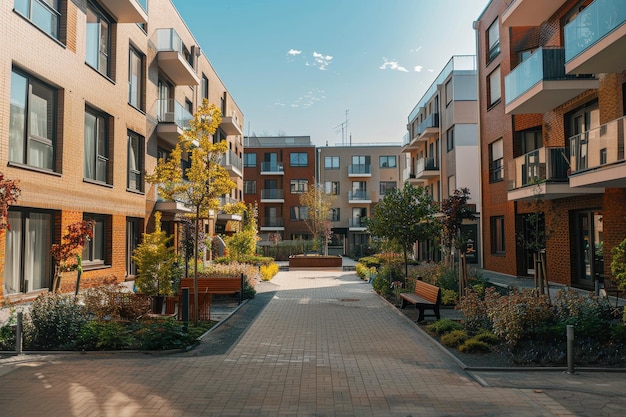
428	291
209	285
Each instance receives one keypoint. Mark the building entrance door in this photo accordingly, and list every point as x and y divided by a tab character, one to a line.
589	257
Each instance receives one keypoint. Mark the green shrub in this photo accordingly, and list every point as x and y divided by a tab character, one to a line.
268	271
448	297
382	285
618	333
476	309
590	316
473	346
248	291
104	335
115	302
454	338
487	337
54	322
370	261
443	326
7	332
162	335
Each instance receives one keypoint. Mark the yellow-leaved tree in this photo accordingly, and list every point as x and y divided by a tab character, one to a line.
318	204
204	180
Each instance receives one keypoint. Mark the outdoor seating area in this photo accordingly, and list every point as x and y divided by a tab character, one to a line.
425	297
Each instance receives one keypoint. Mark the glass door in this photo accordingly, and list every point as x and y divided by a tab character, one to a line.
589	248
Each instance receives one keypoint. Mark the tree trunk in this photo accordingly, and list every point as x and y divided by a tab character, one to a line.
196	309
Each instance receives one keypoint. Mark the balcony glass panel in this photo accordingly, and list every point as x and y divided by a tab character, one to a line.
230	158
272	167
168	40
273	222
543	164
171	111
431	121
592	24
360	169
357	222
359	195
272	194
543	64
424	164
597	147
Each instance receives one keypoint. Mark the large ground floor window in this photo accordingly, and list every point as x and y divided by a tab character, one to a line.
27	257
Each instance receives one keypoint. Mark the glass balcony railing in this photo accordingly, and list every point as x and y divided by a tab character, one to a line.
426	164
167	39
357	222
543	164
171	111
272	194
359	195
230	158
271	167
431	121
592	24
273	222
597	147
361	169
544	64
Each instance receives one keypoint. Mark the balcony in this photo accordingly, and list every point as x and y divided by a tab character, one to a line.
221	216
429	127
359	197
171	59
595	40
272	168
357	224
361	170
426	168
173	119
126	11
167	206
597	156
272	224
232	163
272	195
539	84
529	12
230	127
541	173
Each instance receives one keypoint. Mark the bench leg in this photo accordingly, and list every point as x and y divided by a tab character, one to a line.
421	315
436	309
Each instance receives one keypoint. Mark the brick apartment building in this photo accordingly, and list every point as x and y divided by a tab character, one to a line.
552	104
95	91
277	170
442	147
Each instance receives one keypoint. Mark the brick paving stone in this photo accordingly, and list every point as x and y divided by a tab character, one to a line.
324	344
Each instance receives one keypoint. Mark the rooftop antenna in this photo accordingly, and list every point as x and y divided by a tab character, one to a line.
344	128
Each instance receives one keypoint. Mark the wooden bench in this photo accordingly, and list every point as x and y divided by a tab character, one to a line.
209	286
425	297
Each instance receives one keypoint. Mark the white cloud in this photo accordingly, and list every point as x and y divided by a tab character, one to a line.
306	100
418	68
294	52
321	60
416	50
393	65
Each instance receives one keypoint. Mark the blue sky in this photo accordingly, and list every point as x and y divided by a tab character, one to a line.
295	66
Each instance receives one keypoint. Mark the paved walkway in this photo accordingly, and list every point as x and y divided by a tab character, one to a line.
312	343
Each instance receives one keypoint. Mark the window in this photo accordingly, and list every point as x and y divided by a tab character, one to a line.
386	186
32	122
493	84
388	161
249	187
299	159
530	140
448	92
331	187
496	168
497	235
135	79
334	214
96	146
135	161
299	213
450	139
133	236
331	162
299	186
95	250
45	14
98	40
205	87
249	160
493	41
27	262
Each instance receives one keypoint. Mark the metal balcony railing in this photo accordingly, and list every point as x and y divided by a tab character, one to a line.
603	145
543	164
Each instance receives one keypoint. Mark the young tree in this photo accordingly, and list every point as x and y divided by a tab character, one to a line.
455	210
9	193
318	205
77	235
201	184
243	243
404	216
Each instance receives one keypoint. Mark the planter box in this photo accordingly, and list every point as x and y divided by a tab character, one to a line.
315	261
